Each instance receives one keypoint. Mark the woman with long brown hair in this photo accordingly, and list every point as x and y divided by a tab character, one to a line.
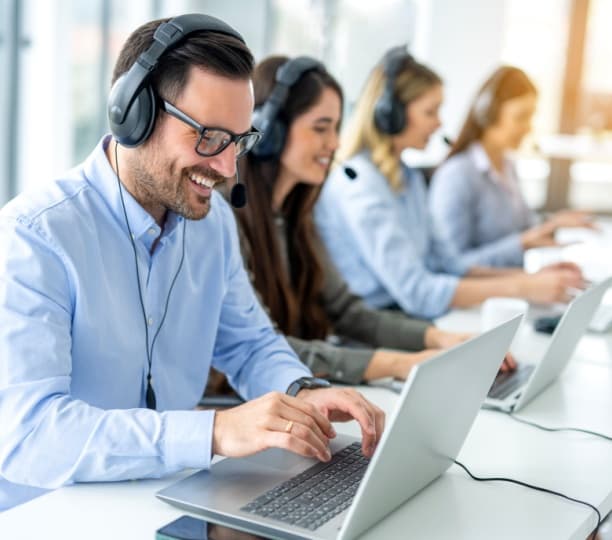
475	199
299	107
376	226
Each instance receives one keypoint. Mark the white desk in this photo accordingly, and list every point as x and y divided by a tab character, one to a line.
454	506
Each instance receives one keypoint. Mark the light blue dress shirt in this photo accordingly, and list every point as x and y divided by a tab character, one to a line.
478	211
382	242
73	362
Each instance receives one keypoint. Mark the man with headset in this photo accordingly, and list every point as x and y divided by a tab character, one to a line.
122	283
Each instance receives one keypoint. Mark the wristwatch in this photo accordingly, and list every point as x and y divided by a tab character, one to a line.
306	382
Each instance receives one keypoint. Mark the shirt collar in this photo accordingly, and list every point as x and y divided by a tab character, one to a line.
103	179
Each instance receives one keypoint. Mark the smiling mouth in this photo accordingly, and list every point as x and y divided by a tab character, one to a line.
202	181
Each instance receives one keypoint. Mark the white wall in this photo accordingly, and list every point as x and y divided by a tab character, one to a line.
4	37
249	17
45	141
452	37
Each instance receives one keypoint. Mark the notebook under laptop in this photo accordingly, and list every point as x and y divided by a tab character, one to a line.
423	436
510	392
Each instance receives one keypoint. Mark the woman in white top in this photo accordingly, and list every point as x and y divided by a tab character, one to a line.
475	199
376	226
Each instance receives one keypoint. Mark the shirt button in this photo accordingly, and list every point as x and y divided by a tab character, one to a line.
150	321
152	231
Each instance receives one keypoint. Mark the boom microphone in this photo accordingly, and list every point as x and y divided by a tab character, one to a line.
238	195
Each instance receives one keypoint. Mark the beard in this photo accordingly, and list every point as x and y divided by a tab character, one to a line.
159	185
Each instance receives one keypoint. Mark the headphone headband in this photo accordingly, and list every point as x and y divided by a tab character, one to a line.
389	113
131	104
265	117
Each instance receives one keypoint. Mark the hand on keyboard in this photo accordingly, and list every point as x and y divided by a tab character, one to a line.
344	404
274	420
509	363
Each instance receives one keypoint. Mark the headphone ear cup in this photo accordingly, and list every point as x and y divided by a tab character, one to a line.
272	143
139	119
481	110
397	117
389	115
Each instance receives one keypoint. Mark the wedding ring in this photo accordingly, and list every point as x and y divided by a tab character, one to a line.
289	426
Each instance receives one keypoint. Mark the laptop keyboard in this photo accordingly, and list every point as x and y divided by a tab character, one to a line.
316	495
508	382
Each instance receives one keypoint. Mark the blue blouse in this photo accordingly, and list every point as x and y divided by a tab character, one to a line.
479	212
382	241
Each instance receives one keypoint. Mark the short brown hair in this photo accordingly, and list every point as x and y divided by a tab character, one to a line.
215	52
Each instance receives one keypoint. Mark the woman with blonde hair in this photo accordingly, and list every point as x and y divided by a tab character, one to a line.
475	199
376	226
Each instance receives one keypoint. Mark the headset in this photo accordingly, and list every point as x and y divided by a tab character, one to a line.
132	109
483	111
389	111
265	117
132	103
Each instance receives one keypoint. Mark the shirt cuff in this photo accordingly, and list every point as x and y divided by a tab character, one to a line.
187	439
514	250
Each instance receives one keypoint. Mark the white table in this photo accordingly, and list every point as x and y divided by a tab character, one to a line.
454	506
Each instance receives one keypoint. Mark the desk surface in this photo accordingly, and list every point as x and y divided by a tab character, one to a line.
454	506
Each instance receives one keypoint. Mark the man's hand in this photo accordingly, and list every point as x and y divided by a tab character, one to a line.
274	420
344	404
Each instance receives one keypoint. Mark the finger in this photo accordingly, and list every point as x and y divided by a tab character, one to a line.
322	422
355	406
379	419
510	361
306	434
290	413
288	441
369	419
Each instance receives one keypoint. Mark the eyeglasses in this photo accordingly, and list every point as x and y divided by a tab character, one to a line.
213	140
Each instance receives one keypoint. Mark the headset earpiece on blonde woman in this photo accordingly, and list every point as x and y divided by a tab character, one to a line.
485	109
389	111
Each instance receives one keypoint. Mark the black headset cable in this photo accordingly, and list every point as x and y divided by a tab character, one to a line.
537	488
150	393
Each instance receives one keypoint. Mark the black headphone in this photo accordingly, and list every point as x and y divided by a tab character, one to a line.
389	111
265	117
132	103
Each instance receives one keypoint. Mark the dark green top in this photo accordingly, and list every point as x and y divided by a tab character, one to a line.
352	320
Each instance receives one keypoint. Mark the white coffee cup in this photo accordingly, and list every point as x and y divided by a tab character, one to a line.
495	311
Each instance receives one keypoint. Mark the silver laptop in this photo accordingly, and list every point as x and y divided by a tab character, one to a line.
511	391
277	494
